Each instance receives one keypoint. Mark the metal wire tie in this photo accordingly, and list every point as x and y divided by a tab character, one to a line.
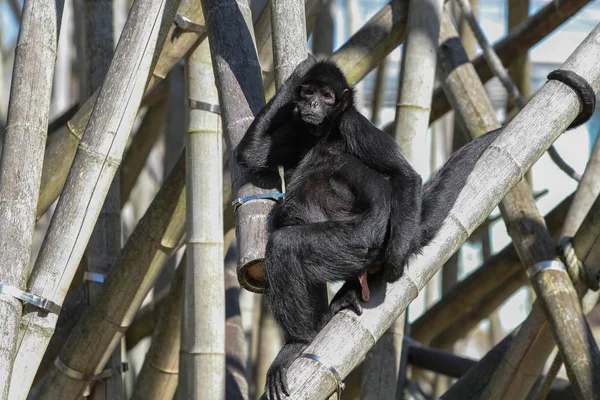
201	105
187	24
544	266
94	276
30	298
338	379
269	196
80	376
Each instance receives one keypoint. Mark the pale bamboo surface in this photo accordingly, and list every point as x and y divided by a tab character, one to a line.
383	375
498	169
23	150
202	359
62	145
94	166
104	246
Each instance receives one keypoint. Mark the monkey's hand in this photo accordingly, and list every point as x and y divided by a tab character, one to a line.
276	387
303	68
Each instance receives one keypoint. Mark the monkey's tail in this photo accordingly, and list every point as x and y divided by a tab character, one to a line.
441	191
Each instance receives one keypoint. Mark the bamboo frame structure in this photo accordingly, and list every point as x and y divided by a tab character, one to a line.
26	125
526	227
202	358
94	166
385	365
486	185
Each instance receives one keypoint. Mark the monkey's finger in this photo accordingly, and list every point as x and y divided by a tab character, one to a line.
284	382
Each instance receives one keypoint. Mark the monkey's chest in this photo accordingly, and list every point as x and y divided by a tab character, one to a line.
317	194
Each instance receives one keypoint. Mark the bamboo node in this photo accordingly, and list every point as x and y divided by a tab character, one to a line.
30	298
338	379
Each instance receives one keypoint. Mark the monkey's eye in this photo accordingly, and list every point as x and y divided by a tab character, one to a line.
307	92
328	97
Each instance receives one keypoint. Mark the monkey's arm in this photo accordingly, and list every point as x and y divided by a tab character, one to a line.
255	149
379	151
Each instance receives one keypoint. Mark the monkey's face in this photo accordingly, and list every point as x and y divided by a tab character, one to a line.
315	103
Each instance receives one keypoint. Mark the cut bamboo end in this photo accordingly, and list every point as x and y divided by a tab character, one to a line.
251	275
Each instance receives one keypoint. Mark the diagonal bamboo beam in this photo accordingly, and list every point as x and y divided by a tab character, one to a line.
447	318
520	364
525	225
517	43
94	166
344	341
21	162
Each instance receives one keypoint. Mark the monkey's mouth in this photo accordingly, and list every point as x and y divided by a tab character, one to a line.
312	119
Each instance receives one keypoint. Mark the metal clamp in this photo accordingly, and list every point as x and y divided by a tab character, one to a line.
187	24
80	376
265	196
201	105
338	379
544	266
30	298
94	277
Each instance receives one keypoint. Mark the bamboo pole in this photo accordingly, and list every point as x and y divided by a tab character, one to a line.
516	43
379	92
174	143
527	228
94	166
553	108
382	374
417	75
105	242
236	383
62	145
270	342
21	163
154	240
323	33
136	155
202	360
521	364
587	191
157	379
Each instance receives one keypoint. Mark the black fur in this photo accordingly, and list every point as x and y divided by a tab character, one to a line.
352	200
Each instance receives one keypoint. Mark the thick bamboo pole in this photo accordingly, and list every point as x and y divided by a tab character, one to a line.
62	145
95	164
237	72
498	169
158	377
202	359
526	226
516	43
105	242
144	140
21	164
288	23
521	364
382	373
97	334
587	191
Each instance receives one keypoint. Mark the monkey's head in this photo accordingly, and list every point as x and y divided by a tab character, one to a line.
323	95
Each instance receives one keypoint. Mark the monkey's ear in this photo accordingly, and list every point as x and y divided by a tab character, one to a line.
345	93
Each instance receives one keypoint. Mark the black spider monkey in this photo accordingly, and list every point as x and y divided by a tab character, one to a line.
352	202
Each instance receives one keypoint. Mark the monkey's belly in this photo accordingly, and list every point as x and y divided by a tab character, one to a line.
316	200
